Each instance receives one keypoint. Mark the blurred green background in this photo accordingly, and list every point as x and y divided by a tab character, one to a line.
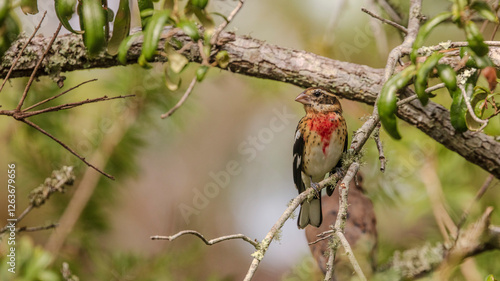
229	120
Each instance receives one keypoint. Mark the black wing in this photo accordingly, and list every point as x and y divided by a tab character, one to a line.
298	152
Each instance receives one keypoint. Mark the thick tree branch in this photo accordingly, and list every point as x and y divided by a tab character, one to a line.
256	58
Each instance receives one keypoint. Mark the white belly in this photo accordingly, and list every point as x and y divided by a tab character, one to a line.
321	162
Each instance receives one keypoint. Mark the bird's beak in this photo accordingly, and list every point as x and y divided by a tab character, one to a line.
303	98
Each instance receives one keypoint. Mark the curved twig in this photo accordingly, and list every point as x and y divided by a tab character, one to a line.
207	242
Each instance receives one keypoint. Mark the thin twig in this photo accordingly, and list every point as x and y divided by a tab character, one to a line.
329	265
207	242
479	194
181	101
414	97
56	96
350	255
22	50
390	10
66	147
67	106
321	239
380	148
389	22
469	106
35	70
204	58
223	25
37	228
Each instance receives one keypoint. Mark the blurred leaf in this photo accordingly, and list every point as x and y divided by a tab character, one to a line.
4	9
423	75
448	76
458	109
29	7
201	72
490	278
64	11
484	10
110	15
176	61
200	4
153	32
8	32
121	28
125	45
475	39
222	59
146	8
142	61
190	28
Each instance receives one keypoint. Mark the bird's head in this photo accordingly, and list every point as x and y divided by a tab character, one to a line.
318	99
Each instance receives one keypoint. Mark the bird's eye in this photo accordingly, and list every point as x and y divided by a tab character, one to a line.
317	94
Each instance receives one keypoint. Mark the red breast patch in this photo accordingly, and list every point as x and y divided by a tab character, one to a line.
324	125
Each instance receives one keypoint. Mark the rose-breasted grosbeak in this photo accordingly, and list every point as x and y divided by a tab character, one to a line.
320	139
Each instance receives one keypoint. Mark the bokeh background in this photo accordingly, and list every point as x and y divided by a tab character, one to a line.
233	128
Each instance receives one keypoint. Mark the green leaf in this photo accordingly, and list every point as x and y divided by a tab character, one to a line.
425	30
448	76
153	32
143	62
200	4
222	59
121	27
458	109
145	8
387	102
484	10
190	28
480	94
201	72
490	278
422	76
92	21
475	39
125	45
64	11
176	61
29	7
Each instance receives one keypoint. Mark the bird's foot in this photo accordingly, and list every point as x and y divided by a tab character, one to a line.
315	186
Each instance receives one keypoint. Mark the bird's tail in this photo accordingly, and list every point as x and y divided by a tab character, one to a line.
310	213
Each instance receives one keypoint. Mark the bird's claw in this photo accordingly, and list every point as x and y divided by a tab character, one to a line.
315	186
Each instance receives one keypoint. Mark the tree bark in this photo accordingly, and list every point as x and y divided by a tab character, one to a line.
256	58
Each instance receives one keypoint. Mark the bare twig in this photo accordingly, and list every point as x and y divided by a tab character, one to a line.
35	126
329	265
22	50
479	195
350	255
202	53
223	25
56	96
33	74
414	97
207	242
37	228
390	10
322	238
181	101
380	148
389	22
469	107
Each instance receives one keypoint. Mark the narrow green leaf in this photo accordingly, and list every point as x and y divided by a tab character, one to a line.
29	7
458	109
484	10
200	4
121	27
125	45
423	75
153	32
64	11
145	8
92	20
448	76
425	30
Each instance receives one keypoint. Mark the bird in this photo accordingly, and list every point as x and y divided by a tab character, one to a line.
360	231
320	140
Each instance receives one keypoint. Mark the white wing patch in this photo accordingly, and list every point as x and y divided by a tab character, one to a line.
297	135
299	160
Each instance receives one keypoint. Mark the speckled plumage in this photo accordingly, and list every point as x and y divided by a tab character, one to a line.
320	139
